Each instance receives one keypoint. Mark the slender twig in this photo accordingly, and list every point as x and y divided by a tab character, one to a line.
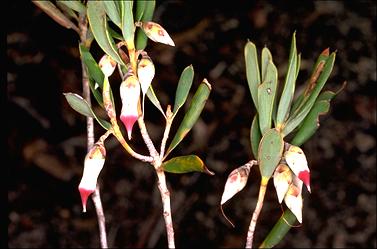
258	208
165	197
169	119
147	140
96	196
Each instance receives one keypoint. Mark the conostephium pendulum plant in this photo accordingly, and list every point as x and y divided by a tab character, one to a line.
276	118
137	72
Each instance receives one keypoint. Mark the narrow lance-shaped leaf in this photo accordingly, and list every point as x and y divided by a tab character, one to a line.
139	10
128	27
311	122
277	233
66	10
301	113
98	24
93	68
147	15
317	69
252	71
185	164
51	10
266	97
192	114
289	85
75	5
96	91
113	12
183	88
81	106
255	136
270	152
266	57
153	98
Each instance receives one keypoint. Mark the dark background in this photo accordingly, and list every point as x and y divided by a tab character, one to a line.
46	139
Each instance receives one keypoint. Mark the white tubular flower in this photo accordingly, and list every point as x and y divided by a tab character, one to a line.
282	180
130	94
293	198
94	161
107	65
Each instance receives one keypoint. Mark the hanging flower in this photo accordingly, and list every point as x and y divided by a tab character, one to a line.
296	161
293	198
145	73
156	33
130	94
282	180
93	165
107	65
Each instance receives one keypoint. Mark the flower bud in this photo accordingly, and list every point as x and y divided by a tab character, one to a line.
296	160
293	198
282	180
93	165
129	93
107	65
145	72
157	33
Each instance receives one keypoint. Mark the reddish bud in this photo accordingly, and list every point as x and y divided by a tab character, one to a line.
157	33
296	160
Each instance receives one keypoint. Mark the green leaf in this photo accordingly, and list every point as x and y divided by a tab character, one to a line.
66	10
192	114
266	57
141	38
98	24
128	26
81	106
185	164
51	10
289	85
266	96
321	60
75	5
96	92
280	229
252	70
297	117
115	34
183	88
153	98
139	10
270	152
255	136
311	122
93	69
112	11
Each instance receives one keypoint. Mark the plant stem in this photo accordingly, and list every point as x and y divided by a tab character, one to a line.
165	197
147	140
96	196
258	208
169	119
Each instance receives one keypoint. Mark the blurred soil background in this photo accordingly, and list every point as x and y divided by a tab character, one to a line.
46	139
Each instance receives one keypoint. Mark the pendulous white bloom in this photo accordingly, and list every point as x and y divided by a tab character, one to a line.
282	180
107	65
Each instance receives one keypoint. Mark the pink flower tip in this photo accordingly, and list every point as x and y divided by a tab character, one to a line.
128	121
305	177
84	194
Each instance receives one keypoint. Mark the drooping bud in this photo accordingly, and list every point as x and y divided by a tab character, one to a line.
130	94
93	165
296	160
293	198
145	73
236	181
282	180
107	65
156	33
